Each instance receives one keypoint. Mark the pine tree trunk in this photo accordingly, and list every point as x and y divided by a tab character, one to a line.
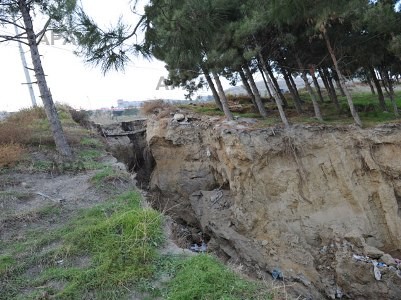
275	94
342	81
292	92
294	86
276	86
369	81
316	84
212	87
391	94
265	81
255	90
332	90
325	83
337	81
51	111
247	87
223	97
380	95
316	108
330	80
383	79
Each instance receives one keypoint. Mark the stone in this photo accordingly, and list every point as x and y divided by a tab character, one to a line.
388	260
355	238
119	166
373	252
179	117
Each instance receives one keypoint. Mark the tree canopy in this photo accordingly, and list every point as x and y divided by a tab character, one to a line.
335	40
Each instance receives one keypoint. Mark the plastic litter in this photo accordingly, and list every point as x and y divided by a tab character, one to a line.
277	274
199	249
379	265
376	270
361	258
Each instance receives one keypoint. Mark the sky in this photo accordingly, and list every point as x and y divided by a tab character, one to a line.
76	83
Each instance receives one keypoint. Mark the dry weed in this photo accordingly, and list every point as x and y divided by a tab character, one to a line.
154	107
11	132
27	116
10	154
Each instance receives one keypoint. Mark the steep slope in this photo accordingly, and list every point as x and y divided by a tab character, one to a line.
301	201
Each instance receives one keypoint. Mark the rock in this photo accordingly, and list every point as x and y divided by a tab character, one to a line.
355	238
179	117
282	183
119	166
265	243
388	260
372	252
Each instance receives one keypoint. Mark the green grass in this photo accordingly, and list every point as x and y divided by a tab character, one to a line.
121	240
204	277
105	175
91	142
210	110
118	238
366	104
248	115
106	252
6	262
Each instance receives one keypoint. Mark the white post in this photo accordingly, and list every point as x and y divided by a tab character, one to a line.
24	65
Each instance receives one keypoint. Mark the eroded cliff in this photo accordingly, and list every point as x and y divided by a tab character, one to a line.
302	200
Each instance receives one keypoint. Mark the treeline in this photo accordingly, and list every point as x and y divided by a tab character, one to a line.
202	40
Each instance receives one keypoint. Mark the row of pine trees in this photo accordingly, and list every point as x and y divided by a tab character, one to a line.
202	41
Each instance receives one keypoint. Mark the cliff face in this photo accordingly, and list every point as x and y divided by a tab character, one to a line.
303	200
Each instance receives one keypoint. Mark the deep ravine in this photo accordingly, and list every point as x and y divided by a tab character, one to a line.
318	203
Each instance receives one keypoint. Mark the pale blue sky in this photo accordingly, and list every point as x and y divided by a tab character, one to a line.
73	82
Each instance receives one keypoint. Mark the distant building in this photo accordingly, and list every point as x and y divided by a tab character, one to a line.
122	104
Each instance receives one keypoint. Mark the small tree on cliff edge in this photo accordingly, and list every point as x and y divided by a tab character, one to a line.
19	13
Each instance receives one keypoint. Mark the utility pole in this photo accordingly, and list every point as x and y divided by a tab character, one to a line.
27	76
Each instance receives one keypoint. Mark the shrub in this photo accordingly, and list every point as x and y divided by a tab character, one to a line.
10	154
81	117
27	115
154	107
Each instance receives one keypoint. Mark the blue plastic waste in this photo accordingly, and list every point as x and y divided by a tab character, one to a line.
277	274
201	249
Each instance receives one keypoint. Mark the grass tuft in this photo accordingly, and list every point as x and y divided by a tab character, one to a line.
101	253
204	277
121	239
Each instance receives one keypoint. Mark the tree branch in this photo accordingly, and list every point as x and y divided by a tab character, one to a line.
41	34
6	21
8	38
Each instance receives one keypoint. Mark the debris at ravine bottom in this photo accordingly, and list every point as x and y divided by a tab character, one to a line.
379	265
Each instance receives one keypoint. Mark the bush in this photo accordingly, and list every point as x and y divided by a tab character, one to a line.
154	107
81	117
10	154
27	115
24	127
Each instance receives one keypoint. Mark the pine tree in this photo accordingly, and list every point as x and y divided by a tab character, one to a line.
19	13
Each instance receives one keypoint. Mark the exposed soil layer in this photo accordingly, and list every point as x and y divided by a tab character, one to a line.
301	201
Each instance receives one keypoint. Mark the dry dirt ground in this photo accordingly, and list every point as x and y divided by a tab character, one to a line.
32	202
24	197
